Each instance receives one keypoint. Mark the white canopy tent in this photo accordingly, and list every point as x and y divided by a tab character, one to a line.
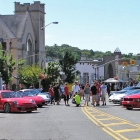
112	80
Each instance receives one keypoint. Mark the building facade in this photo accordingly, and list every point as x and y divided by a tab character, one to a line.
21	33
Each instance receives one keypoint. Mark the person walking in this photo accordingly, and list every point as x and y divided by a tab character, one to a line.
108	89
75	89
87	94
103	93
56	91
51	93
93	93
98	87
3	86
66	94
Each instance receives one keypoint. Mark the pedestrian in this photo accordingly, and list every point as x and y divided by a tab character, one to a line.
87	94
108	89
81	91
44	83
32	86
21	86
51	94
3	86
98	95
56	91
93	93
75	88
77	99
66	94
103	93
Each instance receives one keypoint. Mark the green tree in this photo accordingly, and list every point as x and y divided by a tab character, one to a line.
67	64
138	78
30	74
52	71
7	65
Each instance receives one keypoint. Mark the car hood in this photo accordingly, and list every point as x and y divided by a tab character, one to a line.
119	96
44	96
19	100
133	96
32	97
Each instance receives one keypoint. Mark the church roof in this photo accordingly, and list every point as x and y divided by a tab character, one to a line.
16	23
117	50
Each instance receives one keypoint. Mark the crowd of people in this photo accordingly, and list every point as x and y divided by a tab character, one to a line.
95	92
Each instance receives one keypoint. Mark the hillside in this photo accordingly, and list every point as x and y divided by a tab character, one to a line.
56	51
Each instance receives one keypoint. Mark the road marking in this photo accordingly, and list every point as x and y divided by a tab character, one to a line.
94	115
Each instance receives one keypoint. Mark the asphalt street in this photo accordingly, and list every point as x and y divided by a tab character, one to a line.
60	122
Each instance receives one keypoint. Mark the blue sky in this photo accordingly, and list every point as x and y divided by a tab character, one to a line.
101	25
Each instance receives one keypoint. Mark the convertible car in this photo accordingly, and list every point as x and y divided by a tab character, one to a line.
10	101
131	101
31	95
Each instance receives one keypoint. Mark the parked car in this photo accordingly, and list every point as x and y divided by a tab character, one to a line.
123	91
31	95
118	98
131	101
11	101
45	96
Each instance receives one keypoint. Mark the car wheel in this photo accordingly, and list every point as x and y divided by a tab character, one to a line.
129	108
39	105
29	111
7	108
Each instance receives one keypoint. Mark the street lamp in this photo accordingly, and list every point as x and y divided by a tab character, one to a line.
49	24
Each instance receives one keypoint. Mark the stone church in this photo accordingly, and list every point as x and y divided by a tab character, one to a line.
21	33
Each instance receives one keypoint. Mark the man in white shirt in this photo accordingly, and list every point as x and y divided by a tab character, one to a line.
75	88
103	93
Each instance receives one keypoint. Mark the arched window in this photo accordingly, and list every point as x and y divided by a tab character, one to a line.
29	53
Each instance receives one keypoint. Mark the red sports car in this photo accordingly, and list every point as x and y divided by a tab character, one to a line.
131	101
27	94
10	101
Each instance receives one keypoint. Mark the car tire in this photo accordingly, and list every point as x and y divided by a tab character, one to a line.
129	108
40	106
7	108
29	111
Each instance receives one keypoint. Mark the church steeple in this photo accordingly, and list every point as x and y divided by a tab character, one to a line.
117	50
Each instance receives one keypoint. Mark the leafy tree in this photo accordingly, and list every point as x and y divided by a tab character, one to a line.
67	64
30	74
52	71
7	65
138	78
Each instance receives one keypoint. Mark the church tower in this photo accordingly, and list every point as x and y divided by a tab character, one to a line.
37	14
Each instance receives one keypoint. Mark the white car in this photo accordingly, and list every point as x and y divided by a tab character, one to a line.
118	98
45	96
112	97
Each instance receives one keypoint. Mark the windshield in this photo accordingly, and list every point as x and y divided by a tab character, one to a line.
34	91
44	93
26	93
134	92
127	88
10	95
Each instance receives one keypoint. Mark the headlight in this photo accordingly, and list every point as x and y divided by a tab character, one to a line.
41	98
32	101
137	100
15	102
47	96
